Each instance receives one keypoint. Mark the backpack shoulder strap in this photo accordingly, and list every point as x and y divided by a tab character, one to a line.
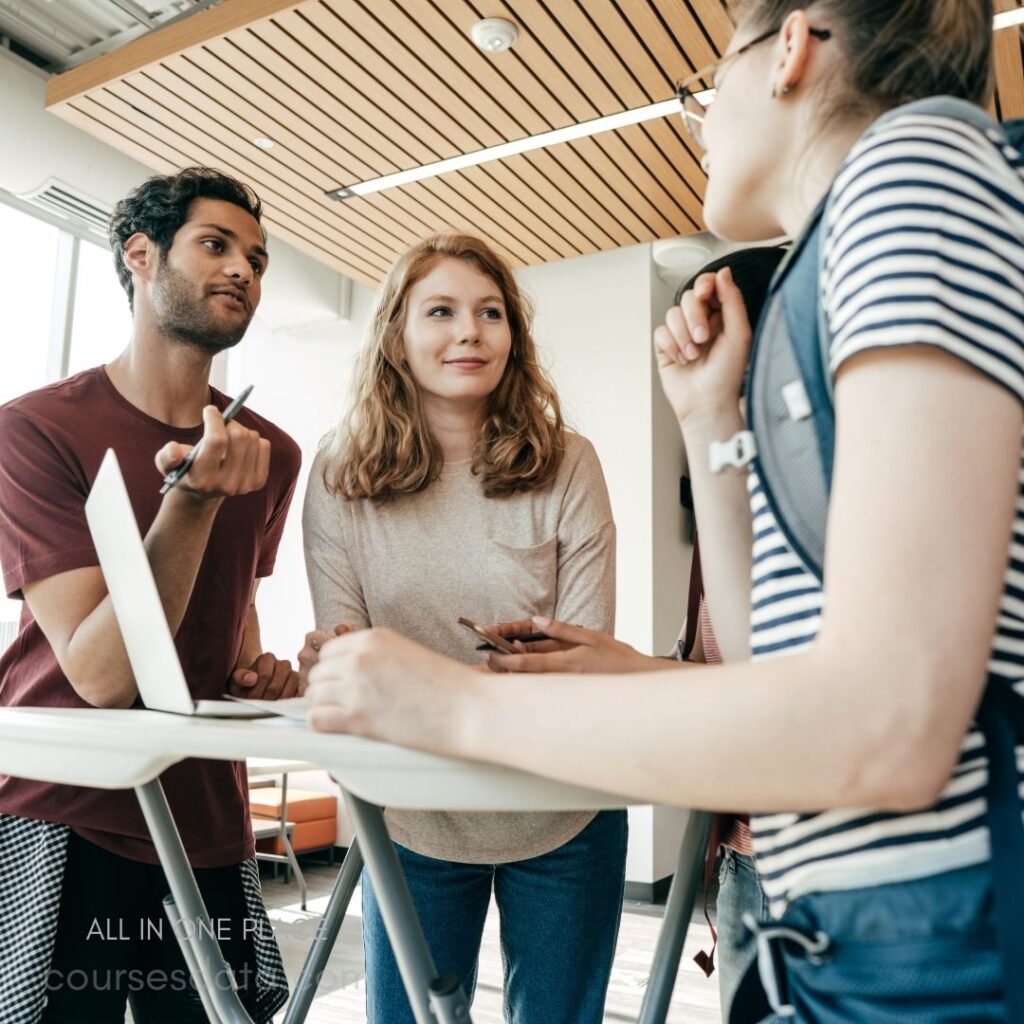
807	327
789	404
1014	131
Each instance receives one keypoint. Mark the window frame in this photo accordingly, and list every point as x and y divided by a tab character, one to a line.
65	283
62	314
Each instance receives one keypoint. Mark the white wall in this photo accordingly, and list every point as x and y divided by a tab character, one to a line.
300	379
670	565
38	145
594	329
670	546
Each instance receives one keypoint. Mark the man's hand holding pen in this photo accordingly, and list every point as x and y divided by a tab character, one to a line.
231	460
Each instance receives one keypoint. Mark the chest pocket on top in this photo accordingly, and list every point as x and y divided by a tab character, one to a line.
525	580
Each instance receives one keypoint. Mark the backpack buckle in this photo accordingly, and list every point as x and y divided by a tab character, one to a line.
739	452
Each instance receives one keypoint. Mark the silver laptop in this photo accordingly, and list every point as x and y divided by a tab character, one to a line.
140	613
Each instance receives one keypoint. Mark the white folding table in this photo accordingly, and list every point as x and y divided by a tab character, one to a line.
114	749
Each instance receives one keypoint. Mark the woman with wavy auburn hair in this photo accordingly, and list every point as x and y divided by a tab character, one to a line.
386	447
452	488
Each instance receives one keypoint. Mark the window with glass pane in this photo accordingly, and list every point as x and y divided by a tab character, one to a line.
102	321
28	264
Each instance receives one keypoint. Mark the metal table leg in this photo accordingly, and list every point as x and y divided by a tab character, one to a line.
682	896
326	935
180	928
434	1000
286	842
191	923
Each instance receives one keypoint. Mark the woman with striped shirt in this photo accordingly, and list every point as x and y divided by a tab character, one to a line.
854	713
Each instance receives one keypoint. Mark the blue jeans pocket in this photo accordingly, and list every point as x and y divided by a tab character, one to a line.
739	893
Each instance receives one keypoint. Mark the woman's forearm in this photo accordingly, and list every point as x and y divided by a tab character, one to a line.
723	518
660	737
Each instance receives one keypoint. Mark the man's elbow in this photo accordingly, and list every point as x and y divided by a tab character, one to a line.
101	691
105	697
114	700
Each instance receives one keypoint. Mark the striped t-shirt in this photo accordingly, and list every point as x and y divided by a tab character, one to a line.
924	244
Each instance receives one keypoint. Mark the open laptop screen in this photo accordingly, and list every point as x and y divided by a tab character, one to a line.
137	605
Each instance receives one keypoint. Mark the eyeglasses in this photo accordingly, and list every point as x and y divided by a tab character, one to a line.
694	110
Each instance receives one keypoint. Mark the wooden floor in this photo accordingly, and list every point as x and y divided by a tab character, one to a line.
341	996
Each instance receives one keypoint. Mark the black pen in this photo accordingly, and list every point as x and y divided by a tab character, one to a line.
175	474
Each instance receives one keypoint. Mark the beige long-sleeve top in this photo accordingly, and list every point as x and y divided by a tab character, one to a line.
417	563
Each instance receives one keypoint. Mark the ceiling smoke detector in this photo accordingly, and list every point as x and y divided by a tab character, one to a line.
494	35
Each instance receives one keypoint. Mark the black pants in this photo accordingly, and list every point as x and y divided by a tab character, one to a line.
115	943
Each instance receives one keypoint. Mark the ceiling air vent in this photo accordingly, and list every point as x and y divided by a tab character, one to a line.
71	205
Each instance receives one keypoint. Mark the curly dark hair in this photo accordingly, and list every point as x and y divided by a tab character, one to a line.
159	207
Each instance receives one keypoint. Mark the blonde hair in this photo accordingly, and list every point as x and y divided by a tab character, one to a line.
383	448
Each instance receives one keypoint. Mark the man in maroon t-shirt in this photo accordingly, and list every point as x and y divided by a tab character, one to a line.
190	253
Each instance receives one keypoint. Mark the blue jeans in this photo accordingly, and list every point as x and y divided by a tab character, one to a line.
919	952
559	922
739	893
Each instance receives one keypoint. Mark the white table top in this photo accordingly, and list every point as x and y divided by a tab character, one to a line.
260	767
113	749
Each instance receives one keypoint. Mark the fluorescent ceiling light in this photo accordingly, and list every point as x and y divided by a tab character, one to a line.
665	108
1008	18
482	156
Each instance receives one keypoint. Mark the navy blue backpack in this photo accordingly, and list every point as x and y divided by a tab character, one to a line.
790	413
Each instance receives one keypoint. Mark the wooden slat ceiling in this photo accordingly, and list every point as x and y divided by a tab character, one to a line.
1009	101
354	89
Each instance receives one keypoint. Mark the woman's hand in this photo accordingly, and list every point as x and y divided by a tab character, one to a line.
375	682
704	346
570	649
310	653
513	631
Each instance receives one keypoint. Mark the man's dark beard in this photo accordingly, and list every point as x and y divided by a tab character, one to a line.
180	315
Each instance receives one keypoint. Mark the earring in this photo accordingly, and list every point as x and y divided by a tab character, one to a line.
777	92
